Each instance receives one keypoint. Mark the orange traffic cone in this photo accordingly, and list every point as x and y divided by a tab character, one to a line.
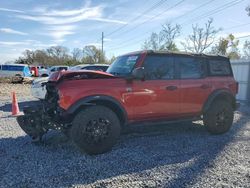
15	107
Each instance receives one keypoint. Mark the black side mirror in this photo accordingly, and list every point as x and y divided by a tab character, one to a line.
139	73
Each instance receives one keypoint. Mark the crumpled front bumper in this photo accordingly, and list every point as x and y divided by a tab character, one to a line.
32	122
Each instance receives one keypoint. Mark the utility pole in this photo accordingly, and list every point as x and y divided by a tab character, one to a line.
102	41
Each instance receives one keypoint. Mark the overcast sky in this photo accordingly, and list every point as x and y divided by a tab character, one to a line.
33	24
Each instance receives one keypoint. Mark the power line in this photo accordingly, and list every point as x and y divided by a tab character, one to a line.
236	26
137	17
191	11
214	11
155	16
159	3
246	36
217	10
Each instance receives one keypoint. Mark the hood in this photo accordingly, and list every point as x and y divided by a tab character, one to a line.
78	75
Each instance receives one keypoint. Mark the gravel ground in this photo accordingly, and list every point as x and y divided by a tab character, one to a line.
178	155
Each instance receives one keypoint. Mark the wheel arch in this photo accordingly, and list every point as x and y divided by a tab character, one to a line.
221	94
103	100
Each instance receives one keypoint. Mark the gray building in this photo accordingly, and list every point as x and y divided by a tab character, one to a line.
241	70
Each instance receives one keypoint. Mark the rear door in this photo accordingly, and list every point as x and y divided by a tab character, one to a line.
157	97
195	86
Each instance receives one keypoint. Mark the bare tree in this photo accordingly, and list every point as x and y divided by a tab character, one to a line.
169	34
77	54
164	40
248	10
155	42
28	56
201	38
58	53
41	57
93	55
227	46
111	60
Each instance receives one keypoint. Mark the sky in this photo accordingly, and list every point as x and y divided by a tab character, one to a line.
126	24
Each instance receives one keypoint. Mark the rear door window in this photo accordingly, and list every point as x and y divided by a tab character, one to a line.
190	67
159	67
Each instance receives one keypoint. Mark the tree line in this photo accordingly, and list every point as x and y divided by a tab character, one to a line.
60	55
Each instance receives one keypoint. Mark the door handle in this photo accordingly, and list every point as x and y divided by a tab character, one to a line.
171	88
205	86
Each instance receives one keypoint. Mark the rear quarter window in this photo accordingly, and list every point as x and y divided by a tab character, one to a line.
219	68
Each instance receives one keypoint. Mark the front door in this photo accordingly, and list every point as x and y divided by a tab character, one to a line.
156	97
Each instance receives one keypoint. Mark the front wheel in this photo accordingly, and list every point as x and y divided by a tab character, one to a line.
219	117
95	129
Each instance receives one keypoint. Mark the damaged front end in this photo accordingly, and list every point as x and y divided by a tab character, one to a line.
37	120
34	122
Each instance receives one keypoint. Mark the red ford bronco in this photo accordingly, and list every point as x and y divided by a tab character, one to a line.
93	107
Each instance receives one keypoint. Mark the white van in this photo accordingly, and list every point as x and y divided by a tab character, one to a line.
15	70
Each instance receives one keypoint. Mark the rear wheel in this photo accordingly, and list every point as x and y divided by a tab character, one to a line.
95	129
219	117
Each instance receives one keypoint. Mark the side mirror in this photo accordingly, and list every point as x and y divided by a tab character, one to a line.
139	73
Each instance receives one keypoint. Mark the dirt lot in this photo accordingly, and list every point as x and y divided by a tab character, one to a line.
178	155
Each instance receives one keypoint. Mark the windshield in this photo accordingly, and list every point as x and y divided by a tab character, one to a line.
123	65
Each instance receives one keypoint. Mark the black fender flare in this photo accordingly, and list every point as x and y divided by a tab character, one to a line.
221	93
103	99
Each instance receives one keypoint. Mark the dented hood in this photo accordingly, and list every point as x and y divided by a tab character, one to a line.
78	75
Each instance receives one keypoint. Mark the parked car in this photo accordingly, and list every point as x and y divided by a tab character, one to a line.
93	107
36	69
15	71
97	67
47	72
38	87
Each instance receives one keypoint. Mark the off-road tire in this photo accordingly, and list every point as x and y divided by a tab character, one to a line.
82	129
212	120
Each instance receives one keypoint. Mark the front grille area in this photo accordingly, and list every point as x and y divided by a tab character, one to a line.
51	99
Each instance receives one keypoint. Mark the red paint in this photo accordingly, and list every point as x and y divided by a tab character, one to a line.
145	100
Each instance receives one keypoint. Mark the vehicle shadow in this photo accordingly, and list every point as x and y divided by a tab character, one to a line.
183	151
8	106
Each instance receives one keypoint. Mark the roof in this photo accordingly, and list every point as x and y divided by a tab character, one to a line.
59	66
178	54
16	64
92	65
